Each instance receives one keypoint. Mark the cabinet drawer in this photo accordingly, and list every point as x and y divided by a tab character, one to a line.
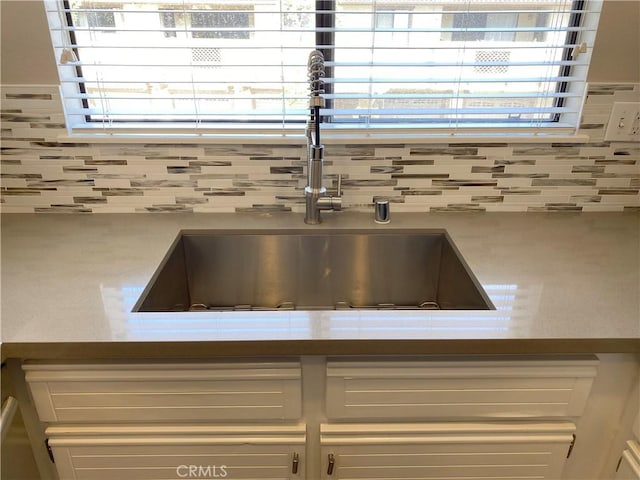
469	388
135	452
165	392
445	450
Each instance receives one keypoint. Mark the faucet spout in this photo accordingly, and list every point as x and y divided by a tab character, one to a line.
316	198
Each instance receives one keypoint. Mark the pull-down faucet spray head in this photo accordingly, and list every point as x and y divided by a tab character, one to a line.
315	66
315	72
315	193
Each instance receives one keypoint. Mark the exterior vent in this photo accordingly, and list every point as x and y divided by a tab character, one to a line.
206	56
492	56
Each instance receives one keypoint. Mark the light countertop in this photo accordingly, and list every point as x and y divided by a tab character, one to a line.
561	282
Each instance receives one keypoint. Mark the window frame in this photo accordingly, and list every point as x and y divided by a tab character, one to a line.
325	22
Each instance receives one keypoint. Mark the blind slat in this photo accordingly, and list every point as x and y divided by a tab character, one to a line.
322	29
336	64
303	112
306	48
335	96
340	81
509	10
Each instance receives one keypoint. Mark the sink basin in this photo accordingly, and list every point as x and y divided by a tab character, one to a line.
307	270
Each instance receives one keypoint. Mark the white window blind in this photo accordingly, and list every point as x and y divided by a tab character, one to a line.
238	65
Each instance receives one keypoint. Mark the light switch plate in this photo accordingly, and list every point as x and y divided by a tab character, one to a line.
624	123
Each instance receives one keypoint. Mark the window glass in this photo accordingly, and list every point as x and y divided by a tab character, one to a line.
168	20
465	22
220	24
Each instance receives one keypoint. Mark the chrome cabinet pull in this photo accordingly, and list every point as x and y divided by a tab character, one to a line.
332	462
295	463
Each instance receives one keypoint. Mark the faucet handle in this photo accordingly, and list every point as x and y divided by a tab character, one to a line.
332	202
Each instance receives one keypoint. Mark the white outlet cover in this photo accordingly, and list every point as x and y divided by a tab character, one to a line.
624	123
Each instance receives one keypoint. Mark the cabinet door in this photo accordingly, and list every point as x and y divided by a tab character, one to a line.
433	389
445	451
165	392
145	453
629	467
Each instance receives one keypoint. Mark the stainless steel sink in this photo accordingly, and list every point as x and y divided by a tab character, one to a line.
307	270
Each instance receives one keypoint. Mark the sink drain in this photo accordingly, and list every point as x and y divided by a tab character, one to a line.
290	306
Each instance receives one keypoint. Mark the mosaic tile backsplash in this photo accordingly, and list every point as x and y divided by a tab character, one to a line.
40	173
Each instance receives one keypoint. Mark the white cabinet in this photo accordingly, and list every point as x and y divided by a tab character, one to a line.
419	418
445	450
135	452
160	420
487	417
629	466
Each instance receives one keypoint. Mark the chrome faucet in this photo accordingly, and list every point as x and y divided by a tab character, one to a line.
315	194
